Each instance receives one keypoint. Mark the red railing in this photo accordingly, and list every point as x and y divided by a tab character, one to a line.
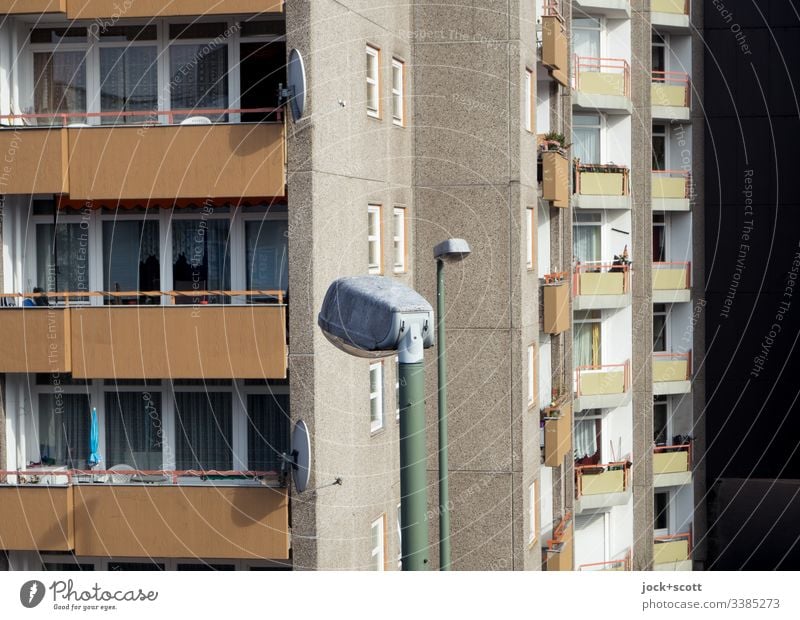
151	117
626	369
621	564
603	65
554	544
686	174
556	278
685	447
672	264
581	471
552	8
593	267
603	168
134	476
673	78
666	356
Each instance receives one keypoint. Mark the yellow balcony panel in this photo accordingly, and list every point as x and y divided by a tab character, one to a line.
36	518
598	382
186	521
91	9
554	44
556	317
602	183
601	83
668	6
670	462
668	95
668	187
671	552
602	283
670	279
600	484
177	161
34	161
555	178
35	340
670	370
557	436
18	7
140	342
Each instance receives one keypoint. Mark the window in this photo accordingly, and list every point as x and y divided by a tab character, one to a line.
532	505
660	420
134	434
586	232
586	37
266	243
400	249
587	436
376	396
659	147
661	513
62	257
398	92
267	431
659	47
379	543
63	433
528	103
373	81
203	430
59	72
529	217
659	238
374	238
586	338
659	327
201	258
531	375
128	71
131	257
586	137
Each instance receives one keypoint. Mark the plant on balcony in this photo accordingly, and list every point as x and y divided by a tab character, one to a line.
609	168
554	141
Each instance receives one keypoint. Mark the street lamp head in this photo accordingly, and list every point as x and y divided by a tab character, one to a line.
451	250
370	316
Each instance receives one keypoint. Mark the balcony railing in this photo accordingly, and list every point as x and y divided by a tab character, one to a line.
675	184
602	479
672	549
668	366
670	88
602	379
598	278
680	7
190	336
602	180
559	547
672	459
602	76
672	276
622	564
134	513
92	9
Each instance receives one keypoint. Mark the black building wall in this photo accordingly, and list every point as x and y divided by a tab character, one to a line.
752	254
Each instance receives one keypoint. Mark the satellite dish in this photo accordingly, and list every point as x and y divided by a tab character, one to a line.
296	84
301	456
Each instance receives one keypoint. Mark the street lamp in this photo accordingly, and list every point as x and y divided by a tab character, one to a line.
449	251
373	316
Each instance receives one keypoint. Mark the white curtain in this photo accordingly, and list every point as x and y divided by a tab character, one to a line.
586	144
585	438
199	77
582	344
64	422
586	37
586	243
60	84
203	430
128	81
133	429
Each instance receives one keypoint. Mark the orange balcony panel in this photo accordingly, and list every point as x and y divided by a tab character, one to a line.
14	7
185	521
244	160
34	161
180	342
554	44
36	518
90	9
557	314
557	435
34	340
555	178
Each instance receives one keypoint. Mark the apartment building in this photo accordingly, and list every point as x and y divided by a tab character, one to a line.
158	199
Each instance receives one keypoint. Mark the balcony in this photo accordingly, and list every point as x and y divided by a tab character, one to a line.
147	514
616	9
672	465
596	286
555	177
93	9
555	295
602	387
670	15
602	84
174	341
150	161
602	187
671	190
555	48
621	564
672	373
602	486
673	553
557	433
669	95
672	282
560	547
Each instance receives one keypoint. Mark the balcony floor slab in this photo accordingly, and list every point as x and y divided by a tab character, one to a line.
584	201
611	104
663	388
670	113
671	296
601	401
674	479
602	502
671	204
670	22
601	302
685	565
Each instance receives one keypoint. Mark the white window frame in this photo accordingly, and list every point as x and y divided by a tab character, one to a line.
373	84
376	397
399	95
532	511
601	128
531	375
530	260
399	240
378	559
375	217
529	101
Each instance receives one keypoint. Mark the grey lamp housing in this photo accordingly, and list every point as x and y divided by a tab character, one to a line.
368	316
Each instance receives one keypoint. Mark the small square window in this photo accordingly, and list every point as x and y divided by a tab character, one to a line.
398	92
373	81
376	396
374	238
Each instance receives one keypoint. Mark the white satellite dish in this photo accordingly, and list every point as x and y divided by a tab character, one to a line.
300	457
296	84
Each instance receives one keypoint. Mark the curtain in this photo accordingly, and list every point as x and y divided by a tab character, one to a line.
267	255
199	77
201	255
267	430
585	438
59	84
586	145
582	344
133	429
586	243
64	423
131	255
586	37
128	81
203	430
69	245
